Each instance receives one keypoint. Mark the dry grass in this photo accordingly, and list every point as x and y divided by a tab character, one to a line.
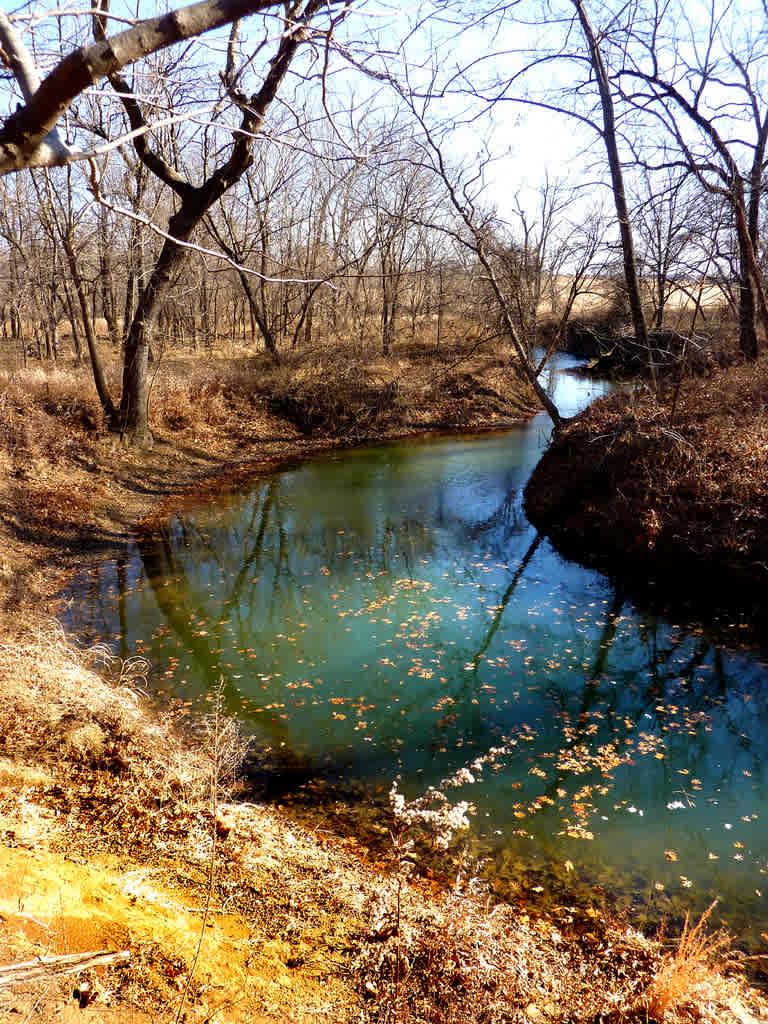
106	835
683	500
58	701
341	390
463	961
105	806
685	978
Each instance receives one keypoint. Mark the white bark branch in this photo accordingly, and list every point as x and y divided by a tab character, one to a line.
68	963
146	222
25	134
52	149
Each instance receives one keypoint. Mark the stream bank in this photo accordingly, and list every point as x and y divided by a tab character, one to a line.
108	830
673	506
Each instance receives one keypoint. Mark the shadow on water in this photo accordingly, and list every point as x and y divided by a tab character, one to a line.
390	613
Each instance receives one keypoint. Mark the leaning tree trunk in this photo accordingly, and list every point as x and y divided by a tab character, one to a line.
133	418
90	335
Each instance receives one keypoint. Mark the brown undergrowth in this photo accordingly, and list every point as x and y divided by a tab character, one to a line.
679	496
66	485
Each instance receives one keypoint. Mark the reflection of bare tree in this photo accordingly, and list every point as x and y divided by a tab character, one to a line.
506	598
287	577
505	522
122	587
611	710
158	556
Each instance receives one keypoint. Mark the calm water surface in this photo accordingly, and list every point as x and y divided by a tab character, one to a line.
389	612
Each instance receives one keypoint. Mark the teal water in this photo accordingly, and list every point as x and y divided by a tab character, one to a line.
389	612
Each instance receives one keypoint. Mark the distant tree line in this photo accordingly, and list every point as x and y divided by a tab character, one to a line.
220	185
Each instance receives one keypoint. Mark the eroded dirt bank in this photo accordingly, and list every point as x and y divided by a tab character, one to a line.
114	837
677	498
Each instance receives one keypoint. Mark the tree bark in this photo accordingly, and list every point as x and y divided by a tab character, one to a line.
24	136
133	419
195	202
90	337
617	177
747	308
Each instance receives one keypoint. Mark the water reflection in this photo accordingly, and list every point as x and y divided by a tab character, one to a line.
390	611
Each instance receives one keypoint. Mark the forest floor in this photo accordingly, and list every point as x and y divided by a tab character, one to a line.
117	829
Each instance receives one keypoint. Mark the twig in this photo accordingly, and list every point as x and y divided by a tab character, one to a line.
69	963
217	757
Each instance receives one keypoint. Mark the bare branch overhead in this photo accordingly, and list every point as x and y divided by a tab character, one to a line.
23	135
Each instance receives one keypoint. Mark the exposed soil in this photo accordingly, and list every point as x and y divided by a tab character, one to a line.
68	488
121	830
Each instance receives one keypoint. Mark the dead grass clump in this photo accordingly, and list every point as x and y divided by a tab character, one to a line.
337	395
461	960
688	977
128	769
47	414
65	392
173	406
181	402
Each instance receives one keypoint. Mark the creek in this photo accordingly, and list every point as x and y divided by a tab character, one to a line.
388	612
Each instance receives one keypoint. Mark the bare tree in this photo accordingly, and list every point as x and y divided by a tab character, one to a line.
29	137
609	136
25	141
675	232
703	85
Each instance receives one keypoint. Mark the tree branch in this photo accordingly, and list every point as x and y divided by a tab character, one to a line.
23	136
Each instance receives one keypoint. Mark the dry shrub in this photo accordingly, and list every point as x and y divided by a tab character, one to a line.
209	393
686	976
700	479
464	961
335	393
46	414
173	406
56	706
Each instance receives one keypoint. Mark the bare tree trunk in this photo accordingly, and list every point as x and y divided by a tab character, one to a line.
747	308
74	324
617	178
107	287
134	406
90	335
195	203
